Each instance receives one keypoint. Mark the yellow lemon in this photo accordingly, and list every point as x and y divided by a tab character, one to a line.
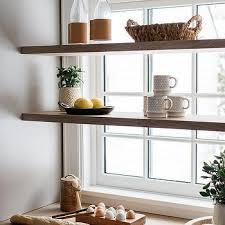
83	103
97	103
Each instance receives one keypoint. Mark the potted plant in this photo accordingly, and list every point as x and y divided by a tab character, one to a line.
69	84
215	187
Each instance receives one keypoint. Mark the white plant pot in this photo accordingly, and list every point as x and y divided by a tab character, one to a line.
69	95
219	214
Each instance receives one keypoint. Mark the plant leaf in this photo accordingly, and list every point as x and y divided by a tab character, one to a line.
207	186
204	194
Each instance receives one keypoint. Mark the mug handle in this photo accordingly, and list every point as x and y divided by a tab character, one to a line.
169	105
188	103
175	82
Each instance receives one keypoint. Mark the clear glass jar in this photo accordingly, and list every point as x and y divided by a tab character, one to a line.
78	26
101	23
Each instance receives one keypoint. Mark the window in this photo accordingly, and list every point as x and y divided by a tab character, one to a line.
146	159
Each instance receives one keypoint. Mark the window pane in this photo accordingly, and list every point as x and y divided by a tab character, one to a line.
178	65
205	153
124	73
125	103
171	160
124	130
170	133
212	135
120	19
171	15
211	106
124	156
211	73
213	21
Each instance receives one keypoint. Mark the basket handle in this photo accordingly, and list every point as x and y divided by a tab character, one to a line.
131	23
198	26
70	175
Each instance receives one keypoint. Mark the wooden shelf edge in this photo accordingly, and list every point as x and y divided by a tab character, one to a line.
133	119
124	47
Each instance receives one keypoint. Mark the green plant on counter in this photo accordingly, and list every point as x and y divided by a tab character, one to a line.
69	77
215	173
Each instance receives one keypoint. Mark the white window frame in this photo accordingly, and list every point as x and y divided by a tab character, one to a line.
79	158
144	183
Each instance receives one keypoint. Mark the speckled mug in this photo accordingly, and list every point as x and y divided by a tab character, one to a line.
163	84
179	107
158	106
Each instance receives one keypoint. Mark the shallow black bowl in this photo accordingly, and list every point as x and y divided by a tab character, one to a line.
74	111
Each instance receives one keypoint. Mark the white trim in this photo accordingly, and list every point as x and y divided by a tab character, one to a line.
151	185
72	138
80	143
166	138
129	5
162	204
144	183
163	2
195	95
71	144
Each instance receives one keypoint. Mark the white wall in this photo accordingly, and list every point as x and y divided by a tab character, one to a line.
30	152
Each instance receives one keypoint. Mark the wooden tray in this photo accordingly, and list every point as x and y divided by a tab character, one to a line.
200	221
91	219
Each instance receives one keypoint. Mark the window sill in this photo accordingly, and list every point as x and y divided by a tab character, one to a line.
161	204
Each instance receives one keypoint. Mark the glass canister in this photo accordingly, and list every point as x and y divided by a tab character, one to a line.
101	23
78	26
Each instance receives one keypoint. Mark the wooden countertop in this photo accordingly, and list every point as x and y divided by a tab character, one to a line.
151	218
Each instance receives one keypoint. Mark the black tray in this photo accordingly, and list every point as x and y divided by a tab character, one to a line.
74	111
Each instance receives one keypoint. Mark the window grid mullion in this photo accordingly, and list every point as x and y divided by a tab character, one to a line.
145	88
194	111
150	79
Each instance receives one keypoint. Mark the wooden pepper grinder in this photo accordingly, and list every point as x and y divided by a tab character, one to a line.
70	193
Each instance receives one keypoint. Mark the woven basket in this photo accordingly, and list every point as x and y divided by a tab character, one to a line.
164	32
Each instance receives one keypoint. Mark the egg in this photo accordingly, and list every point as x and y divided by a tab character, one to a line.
121	216
120	207
131	214
90	209
119	211
109	215
99	212
113	210
99	207
101	204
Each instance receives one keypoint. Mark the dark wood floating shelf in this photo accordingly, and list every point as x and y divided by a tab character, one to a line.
209	123
139	47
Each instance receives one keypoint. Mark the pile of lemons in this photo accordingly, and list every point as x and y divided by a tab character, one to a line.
84	103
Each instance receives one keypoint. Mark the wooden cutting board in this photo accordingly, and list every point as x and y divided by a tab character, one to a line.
92	220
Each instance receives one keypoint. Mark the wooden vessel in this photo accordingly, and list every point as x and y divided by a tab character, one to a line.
201	221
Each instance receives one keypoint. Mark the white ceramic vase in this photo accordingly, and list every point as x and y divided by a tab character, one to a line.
69	95
219	214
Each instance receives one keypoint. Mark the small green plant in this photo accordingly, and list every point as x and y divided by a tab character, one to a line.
215	173
69	77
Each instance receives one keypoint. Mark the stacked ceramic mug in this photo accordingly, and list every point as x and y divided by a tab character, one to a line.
162	104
